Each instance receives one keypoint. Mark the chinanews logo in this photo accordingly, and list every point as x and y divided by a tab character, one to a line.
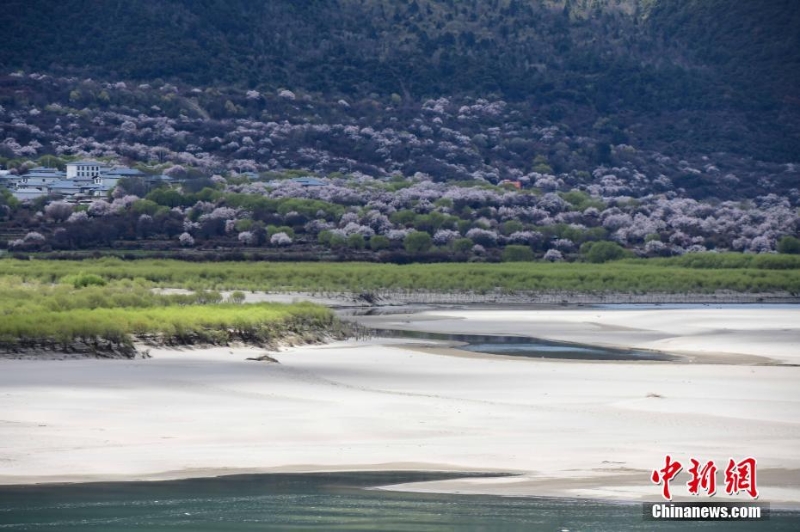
739	480
739	477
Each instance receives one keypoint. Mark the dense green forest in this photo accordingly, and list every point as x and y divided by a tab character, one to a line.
753	44
726	68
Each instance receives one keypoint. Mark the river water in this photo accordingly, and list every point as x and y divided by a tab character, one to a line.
321	501
528	347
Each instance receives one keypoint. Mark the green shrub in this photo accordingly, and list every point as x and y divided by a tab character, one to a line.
417	242
244	225
274	229
83	280
356	241
337	241
324	238
511	226
145	206
462	245
169	198
599	252
403	217
581	200
789	245
516	253
379	242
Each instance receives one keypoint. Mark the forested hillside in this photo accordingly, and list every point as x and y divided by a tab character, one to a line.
753	45
405	130
716	74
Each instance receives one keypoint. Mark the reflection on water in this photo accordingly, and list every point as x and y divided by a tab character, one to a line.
322	501
529	347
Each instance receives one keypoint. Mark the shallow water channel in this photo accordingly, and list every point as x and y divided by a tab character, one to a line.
521	346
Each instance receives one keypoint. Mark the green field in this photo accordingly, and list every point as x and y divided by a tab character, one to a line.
109	302
51	316
697	273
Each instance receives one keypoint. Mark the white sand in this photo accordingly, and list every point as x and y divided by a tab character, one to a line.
761	332
588	429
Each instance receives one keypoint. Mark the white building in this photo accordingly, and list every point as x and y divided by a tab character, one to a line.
83	180
78	169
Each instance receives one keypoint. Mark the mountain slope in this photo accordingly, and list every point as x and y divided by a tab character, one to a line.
716	75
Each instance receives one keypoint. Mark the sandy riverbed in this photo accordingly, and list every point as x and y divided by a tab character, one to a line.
587	429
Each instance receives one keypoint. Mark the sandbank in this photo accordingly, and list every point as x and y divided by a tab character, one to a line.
568	428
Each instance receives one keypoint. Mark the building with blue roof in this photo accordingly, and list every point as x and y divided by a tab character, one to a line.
9	180
66	187
124	171
26	194
40	177
82	180
309	182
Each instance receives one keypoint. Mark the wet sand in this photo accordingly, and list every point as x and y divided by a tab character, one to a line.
568	428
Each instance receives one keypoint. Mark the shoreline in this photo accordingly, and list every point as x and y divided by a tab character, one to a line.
685	359
614	488
716	335
300	469
379	299
381	405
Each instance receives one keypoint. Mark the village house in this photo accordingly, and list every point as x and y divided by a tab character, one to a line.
78	169
81	181
40	177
